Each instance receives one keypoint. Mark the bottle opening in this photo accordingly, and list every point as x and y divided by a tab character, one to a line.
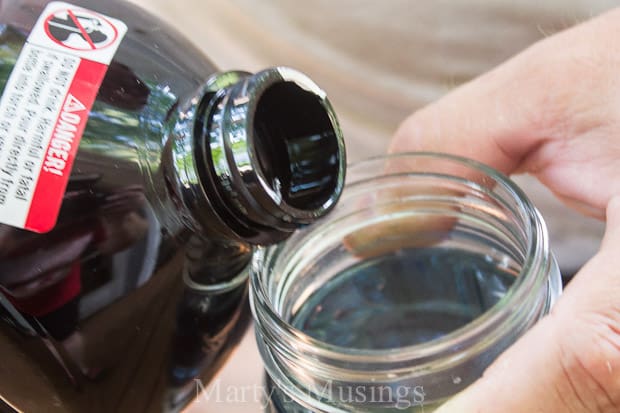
275	151
296	145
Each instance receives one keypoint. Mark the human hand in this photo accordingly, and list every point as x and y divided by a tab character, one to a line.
553	111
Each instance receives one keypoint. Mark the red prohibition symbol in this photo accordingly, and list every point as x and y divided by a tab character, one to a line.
79	29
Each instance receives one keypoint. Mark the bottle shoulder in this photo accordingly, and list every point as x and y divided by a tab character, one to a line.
151	47
153	71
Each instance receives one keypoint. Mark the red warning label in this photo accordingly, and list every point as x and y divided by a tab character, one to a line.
44	109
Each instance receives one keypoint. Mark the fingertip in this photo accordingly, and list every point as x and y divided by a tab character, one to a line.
406	135
612	229
613	211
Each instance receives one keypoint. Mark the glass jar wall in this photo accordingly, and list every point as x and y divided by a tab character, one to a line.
428	269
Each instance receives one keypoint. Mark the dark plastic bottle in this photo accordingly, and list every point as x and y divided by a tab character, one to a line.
139	288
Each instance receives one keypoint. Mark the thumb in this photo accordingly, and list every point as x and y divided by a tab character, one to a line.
570	361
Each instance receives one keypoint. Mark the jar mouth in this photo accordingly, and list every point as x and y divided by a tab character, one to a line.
493	323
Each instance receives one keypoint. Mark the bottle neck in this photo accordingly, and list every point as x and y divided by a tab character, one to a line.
256	156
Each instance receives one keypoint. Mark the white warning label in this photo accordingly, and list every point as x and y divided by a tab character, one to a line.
28	111
44	109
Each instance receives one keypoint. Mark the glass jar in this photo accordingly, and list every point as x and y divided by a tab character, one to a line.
429	268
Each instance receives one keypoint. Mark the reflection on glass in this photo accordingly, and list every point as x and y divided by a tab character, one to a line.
46	277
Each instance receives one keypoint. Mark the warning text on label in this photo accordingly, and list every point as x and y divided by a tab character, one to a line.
33	99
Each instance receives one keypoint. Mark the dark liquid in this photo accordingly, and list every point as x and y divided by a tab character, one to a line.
408	297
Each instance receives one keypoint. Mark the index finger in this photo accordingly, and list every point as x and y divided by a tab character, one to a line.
549	92
481	120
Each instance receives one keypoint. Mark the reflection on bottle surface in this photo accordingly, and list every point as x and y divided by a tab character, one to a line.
140	287
205	323
407	297
90	307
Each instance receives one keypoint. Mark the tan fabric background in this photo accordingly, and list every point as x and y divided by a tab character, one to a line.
379	61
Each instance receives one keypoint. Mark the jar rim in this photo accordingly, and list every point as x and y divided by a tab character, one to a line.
530	278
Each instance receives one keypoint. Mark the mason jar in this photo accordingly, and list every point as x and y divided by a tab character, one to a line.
430	267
